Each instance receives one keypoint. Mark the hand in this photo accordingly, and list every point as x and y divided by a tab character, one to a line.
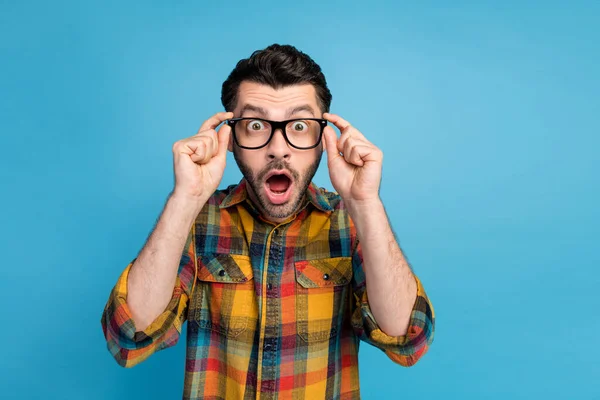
199	161
356	172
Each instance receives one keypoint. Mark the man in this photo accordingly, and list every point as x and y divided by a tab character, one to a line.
278	279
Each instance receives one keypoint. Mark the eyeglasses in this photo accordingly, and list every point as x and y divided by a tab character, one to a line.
255	133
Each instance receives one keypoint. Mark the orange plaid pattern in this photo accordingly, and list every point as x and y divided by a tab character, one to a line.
272	310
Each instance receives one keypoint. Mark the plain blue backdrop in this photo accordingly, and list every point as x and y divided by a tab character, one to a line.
488	115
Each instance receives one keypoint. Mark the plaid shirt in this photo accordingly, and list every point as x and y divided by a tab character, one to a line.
273	310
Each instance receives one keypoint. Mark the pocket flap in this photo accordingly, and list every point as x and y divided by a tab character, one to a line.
224	268
324	272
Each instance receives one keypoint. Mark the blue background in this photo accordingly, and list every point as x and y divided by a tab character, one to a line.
488	115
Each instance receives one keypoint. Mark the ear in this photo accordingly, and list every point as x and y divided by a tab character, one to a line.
230	144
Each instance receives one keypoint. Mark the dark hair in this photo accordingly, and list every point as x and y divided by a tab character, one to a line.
277	66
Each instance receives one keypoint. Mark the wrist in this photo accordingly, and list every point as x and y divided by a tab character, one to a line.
369	218
357	208
184	201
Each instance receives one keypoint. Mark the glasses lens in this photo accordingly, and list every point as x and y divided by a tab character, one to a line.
256	132
303	133
252	132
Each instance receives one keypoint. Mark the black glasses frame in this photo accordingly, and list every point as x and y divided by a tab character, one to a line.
274	126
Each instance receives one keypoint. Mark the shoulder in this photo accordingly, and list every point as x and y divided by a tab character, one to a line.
220	194
332	198
213	206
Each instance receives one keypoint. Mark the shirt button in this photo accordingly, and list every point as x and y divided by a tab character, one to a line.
269	286
221	273
326	277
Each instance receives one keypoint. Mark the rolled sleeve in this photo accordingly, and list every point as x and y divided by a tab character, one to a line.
130	347
407	349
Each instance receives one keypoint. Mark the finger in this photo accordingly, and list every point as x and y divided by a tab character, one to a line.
223	135
331	144
369	153
338	121
353	142
194	149
202	149
346	145
345	139
346	142
344	126
346	130
345	135
348	153
214	121
210	136
360	154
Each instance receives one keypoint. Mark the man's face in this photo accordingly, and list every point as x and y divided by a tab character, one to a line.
278	174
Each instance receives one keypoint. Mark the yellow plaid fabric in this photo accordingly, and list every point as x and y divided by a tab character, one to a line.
272	310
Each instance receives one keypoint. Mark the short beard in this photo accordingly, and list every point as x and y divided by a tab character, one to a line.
278	211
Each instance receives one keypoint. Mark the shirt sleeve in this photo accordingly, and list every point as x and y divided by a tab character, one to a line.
405	350
130	347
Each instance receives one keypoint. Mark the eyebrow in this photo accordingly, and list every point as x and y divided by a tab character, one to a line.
304	107
259	110
265	114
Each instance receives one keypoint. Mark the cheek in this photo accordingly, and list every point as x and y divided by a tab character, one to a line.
308	160
252	160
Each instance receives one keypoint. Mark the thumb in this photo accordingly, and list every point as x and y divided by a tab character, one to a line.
223	135
331	143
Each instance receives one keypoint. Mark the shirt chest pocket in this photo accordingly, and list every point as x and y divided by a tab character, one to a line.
225	300
322	287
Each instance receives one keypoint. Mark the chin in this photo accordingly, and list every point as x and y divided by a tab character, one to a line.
280	210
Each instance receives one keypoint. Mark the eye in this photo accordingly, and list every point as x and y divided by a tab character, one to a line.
256	125
299	126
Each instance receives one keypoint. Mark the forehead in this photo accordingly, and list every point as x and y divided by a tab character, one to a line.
276	101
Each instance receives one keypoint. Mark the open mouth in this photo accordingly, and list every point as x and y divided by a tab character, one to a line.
278	186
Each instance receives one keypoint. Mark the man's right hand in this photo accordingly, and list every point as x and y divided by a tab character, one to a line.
199	161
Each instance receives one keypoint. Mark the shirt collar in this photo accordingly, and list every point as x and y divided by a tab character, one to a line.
317	198
236	195
240	193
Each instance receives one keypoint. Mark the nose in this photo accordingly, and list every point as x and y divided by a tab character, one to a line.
278	147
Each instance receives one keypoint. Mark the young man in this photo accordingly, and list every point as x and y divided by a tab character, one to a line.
278	279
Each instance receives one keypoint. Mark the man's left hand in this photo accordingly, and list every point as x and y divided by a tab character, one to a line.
354	163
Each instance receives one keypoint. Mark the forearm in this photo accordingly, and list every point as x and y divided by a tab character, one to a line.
153	275
391	287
